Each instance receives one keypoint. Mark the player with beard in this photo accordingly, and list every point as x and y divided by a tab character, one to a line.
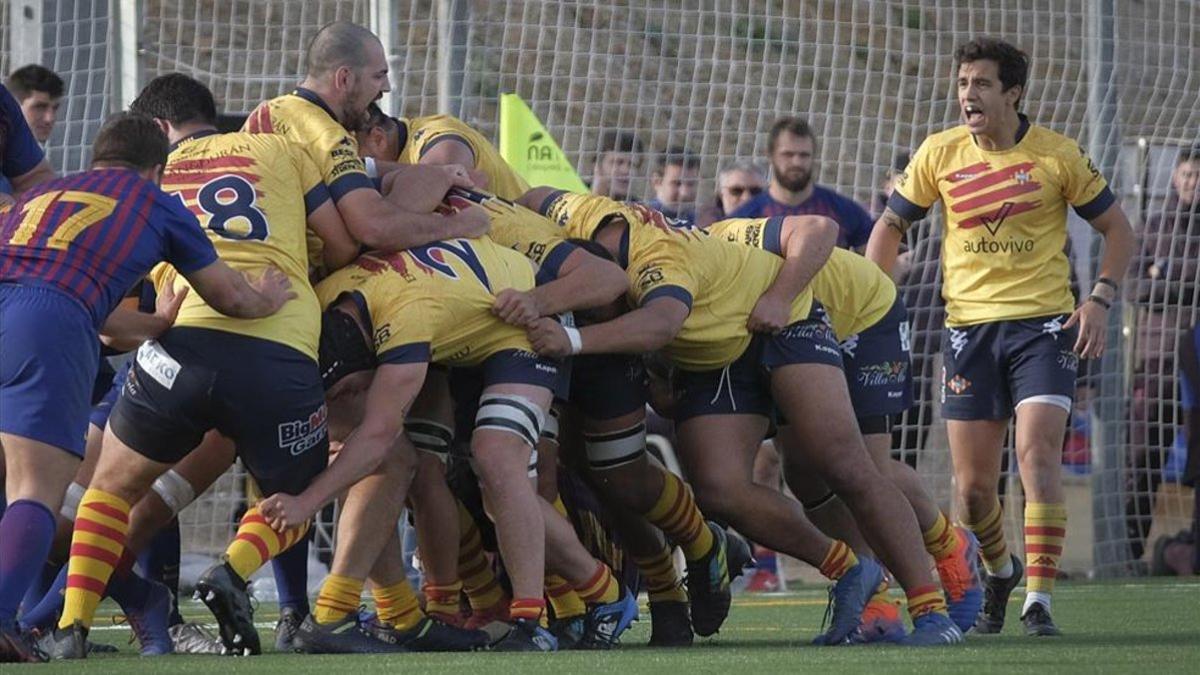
347	70
791	149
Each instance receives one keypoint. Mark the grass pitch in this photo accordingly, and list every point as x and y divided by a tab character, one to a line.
1148	627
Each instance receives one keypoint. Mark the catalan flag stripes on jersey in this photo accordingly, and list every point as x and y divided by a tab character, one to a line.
253	193
1005	219
93	235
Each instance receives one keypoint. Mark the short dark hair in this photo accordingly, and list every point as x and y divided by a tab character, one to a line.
132	139
178	99
613	140
676	157
27	79
1012	62
336	45
1188	153
377	118
796	126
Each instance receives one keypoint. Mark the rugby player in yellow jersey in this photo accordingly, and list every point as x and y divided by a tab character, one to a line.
388	317
1013	333
439	140
255	380
694	297
346	71
871	324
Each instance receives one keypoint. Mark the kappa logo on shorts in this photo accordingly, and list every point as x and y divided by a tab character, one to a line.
958	341
958	384
1053	327
298	436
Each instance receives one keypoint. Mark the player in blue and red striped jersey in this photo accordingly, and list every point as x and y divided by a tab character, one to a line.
22	162
69	249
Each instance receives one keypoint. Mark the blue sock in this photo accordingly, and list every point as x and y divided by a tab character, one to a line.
40	586
129	590
160	562
47	610
26	533
291	576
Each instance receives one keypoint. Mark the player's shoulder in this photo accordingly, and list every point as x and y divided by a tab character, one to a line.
754	207
1044	142
947	139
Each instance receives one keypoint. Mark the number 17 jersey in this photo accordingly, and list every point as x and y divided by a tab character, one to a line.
252	193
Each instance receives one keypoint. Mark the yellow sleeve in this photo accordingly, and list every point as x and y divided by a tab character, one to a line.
761	233
534	236
312	182
403	330
661	275
916	188
1084	186
340	166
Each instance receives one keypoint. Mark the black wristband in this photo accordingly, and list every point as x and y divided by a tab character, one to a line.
1107	282
1100	301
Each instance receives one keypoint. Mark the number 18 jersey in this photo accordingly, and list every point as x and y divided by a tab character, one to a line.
253	194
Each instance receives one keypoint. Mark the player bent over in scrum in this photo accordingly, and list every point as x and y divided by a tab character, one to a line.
256	381
870	322
388	318
696	295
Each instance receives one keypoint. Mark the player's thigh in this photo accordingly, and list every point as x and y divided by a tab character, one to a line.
36	471
518	388
976	451
272	405
717	451
125	471
207	462
821	422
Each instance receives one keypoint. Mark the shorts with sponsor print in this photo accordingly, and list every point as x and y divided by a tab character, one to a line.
878	365
265	396
989	368
744	386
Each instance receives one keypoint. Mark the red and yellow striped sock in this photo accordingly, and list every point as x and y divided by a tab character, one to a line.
601	588
925	599
443	598
676	514
990	532
97	545
530	609
397	605
940	539
479	581
663	583
563	598
339	597
1045	531
838	560
256	543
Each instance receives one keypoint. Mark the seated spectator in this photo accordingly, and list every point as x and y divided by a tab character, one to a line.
674	179
737	184
618	156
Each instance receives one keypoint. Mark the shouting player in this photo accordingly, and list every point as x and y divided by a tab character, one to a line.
1013	332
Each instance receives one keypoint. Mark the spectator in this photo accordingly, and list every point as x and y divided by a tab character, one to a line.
793	191
619	154
1165	290
1189	388
737	184
39	91
676	173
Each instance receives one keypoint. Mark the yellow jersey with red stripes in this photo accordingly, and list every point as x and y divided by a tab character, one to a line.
1005	219
433	303
853	290
720	282
418	135
252	193
304	118
525	231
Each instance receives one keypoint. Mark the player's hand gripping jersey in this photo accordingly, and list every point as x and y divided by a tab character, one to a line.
719	281
253	194
853	290
420	134
527	232
434	303
1005	219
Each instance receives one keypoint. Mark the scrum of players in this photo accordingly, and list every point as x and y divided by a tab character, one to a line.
380	312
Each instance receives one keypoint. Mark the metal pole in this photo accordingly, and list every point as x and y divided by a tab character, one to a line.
453	17
1111	552
125	51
